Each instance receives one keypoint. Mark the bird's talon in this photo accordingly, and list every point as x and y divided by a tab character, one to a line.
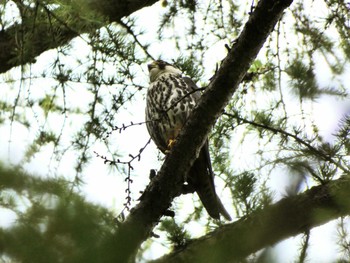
171	142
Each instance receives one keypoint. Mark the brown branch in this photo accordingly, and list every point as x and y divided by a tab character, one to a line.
41	35
164	187
129	29
289	217
299	140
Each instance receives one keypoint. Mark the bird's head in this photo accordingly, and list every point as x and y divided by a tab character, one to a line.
159	67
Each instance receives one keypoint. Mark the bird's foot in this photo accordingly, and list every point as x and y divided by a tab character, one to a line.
171	142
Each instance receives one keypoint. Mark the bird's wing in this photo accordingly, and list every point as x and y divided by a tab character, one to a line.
192	87
201	178
201	175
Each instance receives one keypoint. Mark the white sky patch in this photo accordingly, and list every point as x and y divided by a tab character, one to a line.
7	218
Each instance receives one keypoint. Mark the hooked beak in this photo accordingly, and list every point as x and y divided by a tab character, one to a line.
151	66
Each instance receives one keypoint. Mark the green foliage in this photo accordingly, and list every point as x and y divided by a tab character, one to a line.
71	100
177	236
303	80
343	135
189	68
48	103
220	152
44	138
4	107
266	72
53	223
244	188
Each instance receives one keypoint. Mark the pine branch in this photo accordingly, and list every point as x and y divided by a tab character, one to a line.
41	36
130	30
164	187
299	140
289	217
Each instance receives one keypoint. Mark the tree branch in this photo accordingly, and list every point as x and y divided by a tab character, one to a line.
164	187
312	148
22	43
289	217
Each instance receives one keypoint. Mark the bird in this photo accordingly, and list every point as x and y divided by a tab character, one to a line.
170	99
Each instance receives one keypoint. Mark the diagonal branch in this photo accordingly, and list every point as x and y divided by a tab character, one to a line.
164	187
38	35
310	147
289	217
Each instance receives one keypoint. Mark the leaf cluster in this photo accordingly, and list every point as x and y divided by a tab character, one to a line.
52	222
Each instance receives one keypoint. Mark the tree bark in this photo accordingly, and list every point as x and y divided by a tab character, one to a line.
167	184
288	217
42	29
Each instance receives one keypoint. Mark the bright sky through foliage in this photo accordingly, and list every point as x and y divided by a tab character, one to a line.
106	185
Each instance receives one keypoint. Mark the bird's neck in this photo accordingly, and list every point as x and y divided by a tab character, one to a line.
166	73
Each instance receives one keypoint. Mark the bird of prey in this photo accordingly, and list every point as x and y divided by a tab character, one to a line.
170	99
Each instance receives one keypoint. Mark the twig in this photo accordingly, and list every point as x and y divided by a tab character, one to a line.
295	137
128	177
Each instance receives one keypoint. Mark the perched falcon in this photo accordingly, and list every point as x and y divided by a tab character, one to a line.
170	99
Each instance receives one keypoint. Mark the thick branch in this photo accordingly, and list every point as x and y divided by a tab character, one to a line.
166	185
289	217
42	30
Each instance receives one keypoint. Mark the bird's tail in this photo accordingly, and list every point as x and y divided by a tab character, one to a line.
201	178
213	204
